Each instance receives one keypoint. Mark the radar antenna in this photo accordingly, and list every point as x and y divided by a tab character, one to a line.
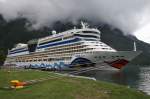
54	32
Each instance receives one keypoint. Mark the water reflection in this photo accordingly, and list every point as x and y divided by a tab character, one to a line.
144	82
132	76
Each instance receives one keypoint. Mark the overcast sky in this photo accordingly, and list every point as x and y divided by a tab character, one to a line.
128	15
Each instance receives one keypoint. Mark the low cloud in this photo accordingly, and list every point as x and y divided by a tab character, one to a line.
127	15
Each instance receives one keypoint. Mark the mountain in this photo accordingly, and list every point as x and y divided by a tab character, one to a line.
15	31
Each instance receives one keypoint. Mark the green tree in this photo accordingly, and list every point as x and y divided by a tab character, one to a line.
2	57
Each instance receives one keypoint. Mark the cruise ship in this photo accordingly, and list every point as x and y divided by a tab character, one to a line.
75	48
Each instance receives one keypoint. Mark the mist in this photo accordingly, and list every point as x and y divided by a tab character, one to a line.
127	15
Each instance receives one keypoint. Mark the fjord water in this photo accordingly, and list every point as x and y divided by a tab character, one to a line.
132	76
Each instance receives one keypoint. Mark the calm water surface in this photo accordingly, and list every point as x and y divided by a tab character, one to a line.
133	76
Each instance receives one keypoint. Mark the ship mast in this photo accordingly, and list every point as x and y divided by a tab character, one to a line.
135	49
84	25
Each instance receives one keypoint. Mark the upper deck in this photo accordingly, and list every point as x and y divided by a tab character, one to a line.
19	49
87	39
69	36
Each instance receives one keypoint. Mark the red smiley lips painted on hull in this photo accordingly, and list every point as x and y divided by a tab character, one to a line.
120	63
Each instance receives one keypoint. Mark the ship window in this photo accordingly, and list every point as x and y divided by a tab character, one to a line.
86	36
90	32
104	48
90	39
51	41
44	59
49	59
40	59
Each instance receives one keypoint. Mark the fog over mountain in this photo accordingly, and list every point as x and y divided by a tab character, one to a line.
127	15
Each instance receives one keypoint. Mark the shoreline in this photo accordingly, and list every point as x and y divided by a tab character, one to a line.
63	87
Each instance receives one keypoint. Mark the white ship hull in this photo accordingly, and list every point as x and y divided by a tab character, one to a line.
114	59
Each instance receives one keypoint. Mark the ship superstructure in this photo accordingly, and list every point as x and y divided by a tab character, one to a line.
69	49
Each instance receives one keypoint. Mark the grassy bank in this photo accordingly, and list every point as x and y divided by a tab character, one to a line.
63	88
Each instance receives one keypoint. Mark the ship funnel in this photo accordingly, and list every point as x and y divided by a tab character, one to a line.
135	46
